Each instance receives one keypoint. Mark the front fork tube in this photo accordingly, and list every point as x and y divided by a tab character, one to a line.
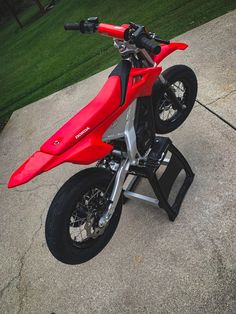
171	94
116	192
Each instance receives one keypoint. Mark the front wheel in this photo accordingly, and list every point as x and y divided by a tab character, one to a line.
182	81
72	232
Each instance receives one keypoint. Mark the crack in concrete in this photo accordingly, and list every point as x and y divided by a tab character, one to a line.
22	260
7	286
222	97
37	187
219	259
22	293
216	114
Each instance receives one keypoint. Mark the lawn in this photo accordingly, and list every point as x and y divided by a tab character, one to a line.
42	58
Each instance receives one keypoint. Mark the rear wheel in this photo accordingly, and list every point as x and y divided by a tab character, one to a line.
72	232
182	81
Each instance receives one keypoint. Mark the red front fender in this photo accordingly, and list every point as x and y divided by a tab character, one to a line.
87	151
168	49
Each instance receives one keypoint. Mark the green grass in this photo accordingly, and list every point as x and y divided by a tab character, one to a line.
42	58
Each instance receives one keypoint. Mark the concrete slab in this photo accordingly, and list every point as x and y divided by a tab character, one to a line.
151	265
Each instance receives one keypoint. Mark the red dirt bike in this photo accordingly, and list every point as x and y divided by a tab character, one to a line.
118	130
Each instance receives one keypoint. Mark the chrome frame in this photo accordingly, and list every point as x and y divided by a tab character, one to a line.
130	135
132	159
119	129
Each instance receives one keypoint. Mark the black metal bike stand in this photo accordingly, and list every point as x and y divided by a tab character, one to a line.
162	187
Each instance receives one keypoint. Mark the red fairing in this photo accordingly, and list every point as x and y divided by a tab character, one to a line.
103	105
80	139
119	32
168	49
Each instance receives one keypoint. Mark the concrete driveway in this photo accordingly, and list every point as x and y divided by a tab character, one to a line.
151	265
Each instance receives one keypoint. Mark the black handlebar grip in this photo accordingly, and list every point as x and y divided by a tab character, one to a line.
83	26
72	26
144	42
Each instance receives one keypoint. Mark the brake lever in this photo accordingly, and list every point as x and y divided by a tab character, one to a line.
133	25
161	41
158	39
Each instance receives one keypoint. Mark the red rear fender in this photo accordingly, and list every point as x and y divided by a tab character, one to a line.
32	167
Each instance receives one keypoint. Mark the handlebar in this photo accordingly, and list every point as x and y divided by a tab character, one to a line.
134	33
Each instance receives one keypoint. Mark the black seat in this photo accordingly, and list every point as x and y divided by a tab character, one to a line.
122	70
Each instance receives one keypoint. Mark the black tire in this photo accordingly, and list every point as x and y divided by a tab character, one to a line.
174	74
59	215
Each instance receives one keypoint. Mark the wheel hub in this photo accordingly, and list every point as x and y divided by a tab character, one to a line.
85	218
